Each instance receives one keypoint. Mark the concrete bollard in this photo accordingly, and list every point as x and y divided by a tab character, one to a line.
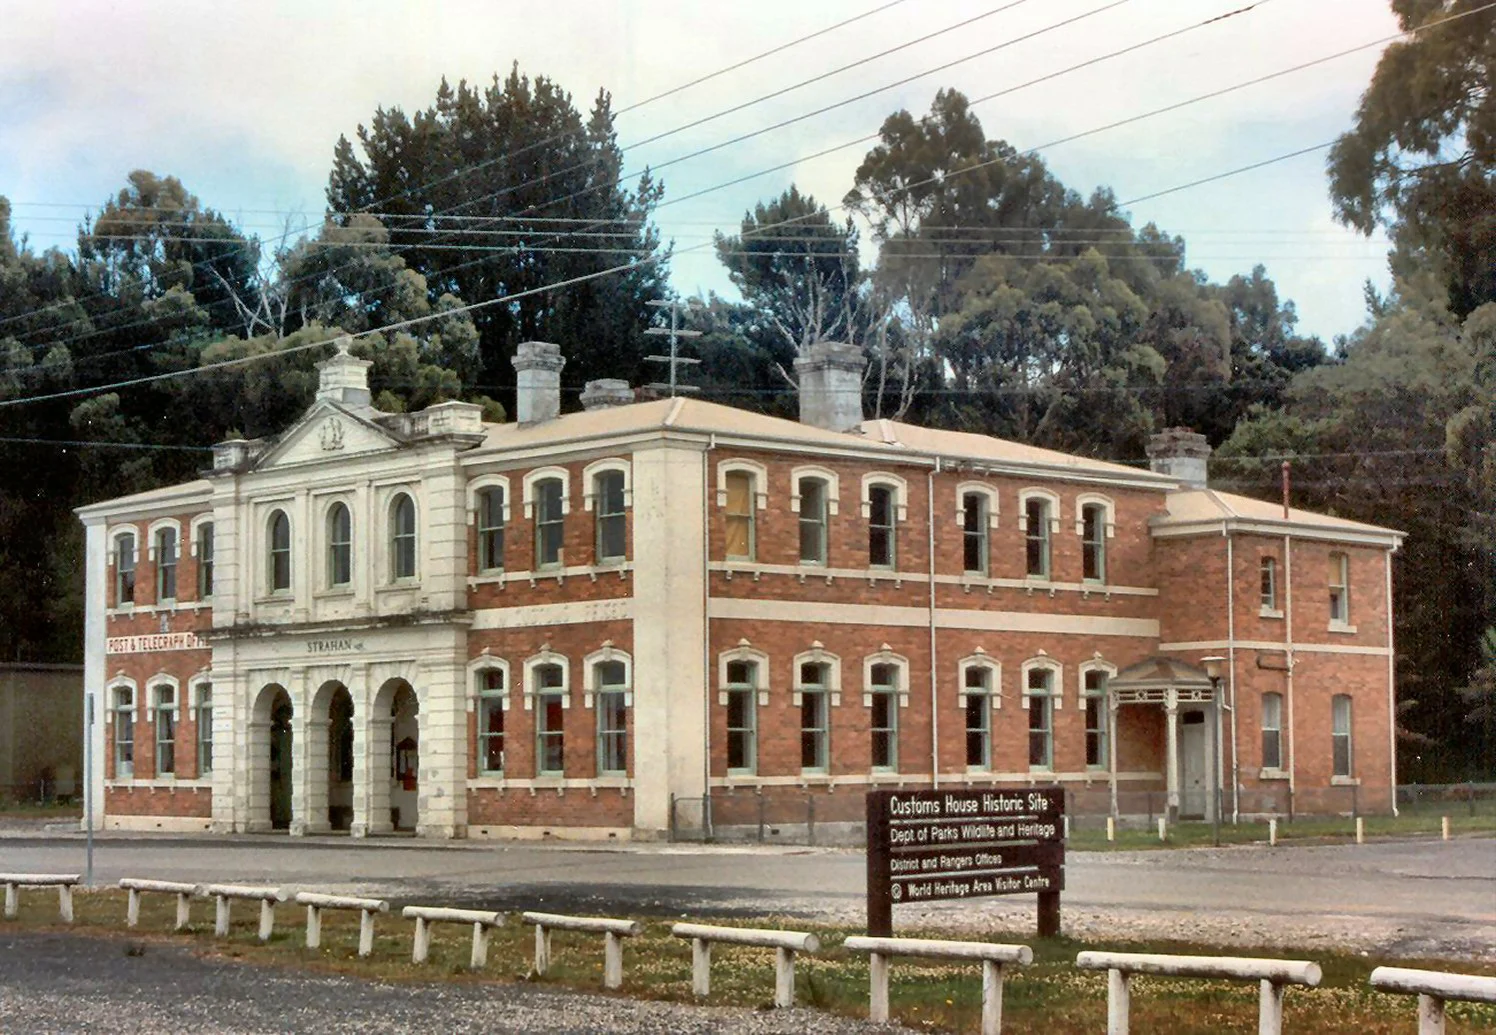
1444	828
1111	828
1360	831
1163	829
1065	824
1272	832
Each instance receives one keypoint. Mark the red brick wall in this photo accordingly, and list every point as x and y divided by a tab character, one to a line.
145	567
544	807
176	802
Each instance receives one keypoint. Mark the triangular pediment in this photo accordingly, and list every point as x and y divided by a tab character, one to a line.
327	432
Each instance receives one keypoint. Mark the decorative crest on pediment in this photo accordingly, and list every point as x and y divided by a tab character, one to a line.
332	434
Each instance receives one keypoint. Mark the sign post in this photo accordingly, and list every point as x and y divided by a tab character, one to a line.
923	846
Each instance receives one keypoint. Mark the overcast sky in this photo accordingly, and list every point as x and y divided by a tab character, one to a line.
244	101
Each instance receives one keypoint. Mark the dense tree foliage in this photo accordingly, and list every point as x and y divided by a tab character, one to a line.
503	189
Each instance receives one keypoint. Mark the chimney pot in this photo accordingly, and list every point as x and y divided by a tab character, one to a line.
537	366
606	392
831	385
1180	453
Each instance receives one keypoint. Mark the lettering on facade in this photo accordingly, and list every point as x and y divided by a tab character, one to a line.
154	642
337	645
928	845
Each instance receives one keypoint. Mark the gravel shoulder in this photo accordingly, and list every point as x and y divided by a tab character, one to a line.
76	983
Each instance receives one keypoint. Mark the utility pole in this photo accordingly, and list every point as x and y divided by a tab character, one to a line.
675	359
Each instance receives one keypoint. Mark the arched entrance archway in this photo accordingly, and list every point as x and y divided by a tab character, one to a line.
271	760
329	759
395	758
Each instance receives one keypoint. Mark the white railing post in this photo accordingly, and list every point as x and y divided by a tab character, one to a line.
422	945
425	916
1163	828
479	956
612	960
1118	1002
63	882
132	907
313	926
1430	1015
365	932
1272	831
184	910
542	949
992	997
12	902
1444	828
1111	828
65	902
1269	1008
267	918
701	967
1360	831
784	977
877	1000
221	917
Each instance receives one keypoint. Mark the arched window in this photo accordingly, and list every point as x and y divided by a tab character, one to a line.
548	691
610	682
882	526
402	537
1038	518
980	693
974	524
813	499
166	728
493	701
612	527
280	552
1040	686
743	673
204	719
813	686
339	545
1340	589
884	685
1093	698
166	564
124	569
742	491
205	560
122	705
1093	542
491	528
550	522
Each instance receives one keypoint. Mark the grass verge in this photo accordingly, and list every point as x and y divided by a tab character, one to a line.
1088	837
1050	996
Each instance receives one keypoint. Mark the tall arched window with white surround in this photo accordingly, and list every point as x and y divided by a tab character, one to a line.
608	496
203	550
742	687
165	552
885	505
547	693
489	678
124	569
488	504
742	491
339	532
547	503
817	689
1094	677
278	557
815	498
1096	524
981	695
122	715
885	690
977	516
402	537
1039	520
1043	682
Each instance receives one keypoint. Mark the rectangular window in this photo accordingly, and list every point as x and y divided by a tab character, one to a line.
1093	542
978	706
1036	536
1340	589
1270	583
550	714
1041	729
205	560
550	523
491	528
491	692
1096	719
1340	734
166	564
813	717
882	527
742	716
124	570
612	528
124	733
884	687
740	532
166	730
1272	731
974	533
611	682
204	728
812	521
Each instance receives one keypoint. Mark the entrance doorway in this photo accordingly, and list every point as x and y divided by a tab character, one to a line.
340	760
1194	790
280	761
405	758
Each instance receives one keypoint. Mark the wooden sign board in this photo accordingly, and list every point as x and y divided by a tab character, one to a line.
927	845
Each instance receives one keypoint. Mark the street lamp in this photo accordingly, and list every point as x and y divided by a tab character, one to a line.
1214	666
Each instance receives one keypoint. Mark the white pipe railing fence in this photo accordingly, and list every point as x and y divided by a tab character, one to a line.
1434	988
1271	975
184	893
613	932
483	923
993	958
223	894
784	943
63	882
367	909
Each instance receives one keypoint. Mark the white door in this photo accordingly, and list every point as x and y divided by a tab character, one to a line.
1194	792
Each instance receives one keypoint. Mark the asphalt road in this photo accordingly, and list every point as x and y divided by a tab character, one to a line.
1406	898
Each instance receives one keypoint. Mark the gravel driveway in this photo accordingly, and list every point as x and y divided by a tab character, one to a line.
74	983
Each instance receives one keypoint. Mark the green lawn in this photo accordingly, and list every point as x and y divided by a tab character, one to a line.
1050	996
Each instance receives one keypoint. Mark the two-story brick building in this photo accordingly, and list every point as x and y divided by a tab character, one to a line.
576	624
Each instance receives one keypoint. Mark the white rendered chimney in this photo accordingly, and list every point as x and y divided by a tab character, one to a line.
1180	453
605	392
344	378
831	385
537	366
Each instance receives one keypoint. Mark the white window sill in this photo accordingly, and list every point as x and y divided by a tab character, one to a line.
1343	628
1345	781
485	576
1269	612
283	596
1272	774
742	778
163	783
340	593
399	586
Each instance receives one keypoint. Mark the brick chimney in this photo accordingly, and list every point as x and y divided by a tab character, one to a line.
1180	453
537	365
831	385
605	392
343	378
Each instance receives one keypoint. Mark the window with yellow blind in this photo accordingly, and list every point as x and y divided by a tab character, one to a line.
740	493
